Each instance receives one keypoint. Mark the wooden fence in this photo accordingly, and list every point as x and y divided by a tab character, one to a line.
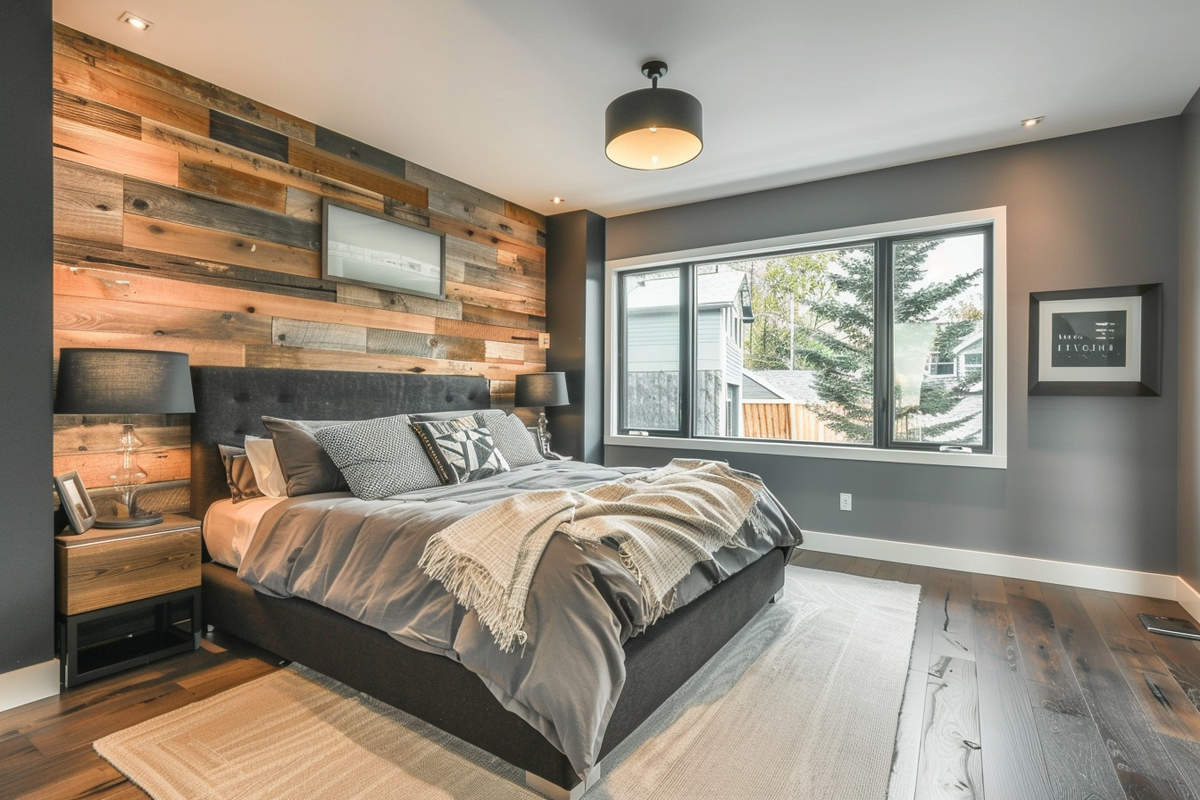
791	421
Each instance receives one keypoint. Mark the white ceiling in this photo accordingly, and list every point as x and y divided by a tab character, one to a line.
509	95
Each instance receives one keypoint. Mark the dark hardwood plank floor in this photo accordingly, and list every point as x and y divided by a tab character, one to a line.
1018	690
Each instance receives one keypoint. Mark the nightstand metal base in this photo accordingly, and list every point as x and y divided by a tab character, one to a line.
98	643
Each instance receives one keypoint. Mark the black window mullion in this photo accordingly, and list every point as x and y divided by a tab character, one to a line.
687	350
989	338
883	344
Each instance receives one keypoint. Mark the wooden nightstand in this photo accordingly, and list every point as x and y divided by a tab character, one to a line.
126	597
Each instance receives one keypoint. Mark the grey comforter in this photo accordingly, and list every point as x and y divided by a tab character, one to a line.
359	558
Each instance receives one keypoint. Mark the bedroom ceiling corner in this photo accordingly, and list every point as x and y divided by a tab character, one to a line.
511	98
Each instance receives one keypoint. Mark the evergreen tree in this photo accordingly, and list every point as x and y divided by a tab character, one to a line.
782	291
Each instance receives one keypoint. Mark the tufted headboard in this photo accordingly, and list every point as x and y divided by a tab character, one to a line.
230	402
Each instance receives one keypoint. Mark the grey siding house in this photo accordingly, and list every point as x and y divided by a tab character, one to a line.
652	352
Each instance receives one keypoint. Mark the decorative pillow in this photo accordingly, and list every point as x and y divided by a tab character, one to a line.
306	466
267	472
512	438
238	473
445	416
461	450
379	457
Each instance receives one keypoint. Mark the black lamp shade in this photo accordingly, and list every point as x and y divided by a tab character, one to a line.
653	129
111	381
542	389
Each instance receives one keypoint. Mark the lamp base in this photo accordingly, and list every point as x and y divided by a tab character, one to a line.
128	522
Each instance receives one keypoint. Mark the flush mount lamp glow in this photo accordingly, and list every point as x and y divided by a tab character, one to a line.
653	128
134	21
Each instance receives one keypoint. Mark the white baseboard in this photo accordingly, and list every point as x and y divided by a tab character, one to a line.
1086	576
1189	598
27	684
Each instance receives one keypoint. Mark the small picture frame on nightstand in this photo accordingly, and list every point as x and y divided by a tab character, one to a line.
75	501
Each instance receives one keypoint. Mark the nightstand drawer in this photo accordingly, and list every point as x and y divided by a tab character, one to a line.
98	574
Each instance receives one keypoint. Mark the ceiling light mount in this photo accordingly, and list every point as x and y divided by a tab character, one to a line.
654	70
1029	123
654	128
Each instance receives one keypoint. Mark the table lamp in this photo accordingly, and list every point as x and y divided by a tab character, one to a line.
542	389
112	381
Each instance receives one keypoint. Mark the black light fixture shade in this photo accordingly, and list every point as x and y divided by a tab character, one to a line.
542	389
111	381
652	129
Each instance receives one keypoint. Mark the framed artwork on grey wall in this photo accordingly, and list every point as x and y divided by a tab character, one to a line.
1096	341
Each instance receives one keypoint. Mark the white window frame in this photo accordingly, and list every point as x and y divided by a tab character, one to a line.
997	459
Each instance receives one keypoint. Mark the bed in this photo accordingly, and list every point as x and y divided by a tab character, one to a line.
229	405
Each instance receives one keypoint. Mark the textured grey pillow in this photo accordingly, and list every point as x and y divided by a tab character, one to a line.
306	466
461	450
512	437
238	473
379	457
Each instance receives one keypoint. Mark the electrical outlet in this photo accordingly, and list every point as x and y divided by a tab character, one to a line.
844	503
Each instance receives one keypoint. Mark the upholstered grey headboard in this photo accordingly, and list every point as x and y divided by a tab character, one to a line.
230	402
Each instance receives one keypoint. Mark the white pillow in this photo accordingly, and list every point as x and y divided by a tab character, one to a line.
265	464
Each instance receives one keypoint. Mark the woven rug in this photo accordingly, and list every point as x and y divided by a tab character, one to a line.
802	703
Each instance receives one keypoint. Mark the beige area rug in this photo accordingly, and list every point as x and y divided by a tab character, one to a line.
803	703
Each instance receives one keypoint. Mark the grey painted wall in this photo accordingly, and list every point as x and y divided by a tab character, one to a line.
26	228
575	322
1089	480
1189	348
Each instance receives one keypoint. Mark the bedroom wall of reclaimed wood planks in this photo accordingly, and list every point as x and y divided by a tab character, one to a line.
187	218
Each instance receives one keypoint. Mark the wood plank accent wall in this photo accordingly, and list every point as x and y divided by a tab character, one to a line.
187	218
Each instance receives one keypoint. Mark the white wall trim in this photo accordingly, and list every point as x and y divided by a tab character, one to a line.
1189	598
27	684
1085	576
997	459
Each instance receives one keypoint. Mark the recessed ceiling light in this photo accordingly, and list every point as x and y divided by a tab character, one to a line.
135	21
1029	123
556	200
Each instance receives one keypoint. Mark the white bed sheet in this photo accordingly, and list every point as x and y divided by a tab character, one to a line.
230	527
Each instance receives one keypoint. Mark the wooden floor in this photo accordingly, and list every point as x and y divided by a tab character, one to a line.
1017	691
1026	690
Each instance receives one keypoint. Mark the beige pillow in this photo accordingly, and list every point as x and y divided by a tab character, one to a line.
265	463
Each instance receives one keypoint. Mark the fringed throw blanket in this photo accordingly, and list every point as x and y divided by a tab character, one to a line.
663	523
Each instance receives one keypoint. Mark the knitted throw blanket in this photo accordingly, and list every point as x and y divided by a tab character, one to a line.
663	522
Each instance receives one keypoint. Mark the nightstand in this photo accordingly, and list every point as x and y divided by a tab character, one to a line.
126	597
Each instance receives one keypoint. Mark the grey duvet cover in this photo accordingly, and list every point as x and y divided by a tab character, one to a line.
359	558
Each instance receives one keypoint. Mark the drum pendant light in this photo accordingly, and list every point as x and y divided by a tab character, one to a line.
653	128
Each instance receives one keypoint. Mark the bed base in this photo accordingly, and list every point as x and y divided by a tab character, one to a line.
446	694
555	792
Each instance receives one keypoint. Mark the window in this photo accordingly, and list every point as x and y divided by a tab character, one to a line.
881	343
652	351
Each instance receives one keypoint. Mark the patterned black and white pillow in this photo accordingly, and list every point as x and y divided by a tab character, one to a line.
461	450
517	446
378	457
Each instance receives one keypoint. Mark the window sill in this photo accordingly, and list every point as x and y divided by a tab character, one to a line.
804	450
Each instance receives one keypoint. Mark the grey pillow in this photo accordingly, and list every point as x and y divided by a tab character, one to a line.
461	450
238	473
512	437
379	457
306	466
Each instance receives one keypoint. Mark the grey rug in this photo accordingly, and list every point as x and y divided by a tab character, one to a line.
803	703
